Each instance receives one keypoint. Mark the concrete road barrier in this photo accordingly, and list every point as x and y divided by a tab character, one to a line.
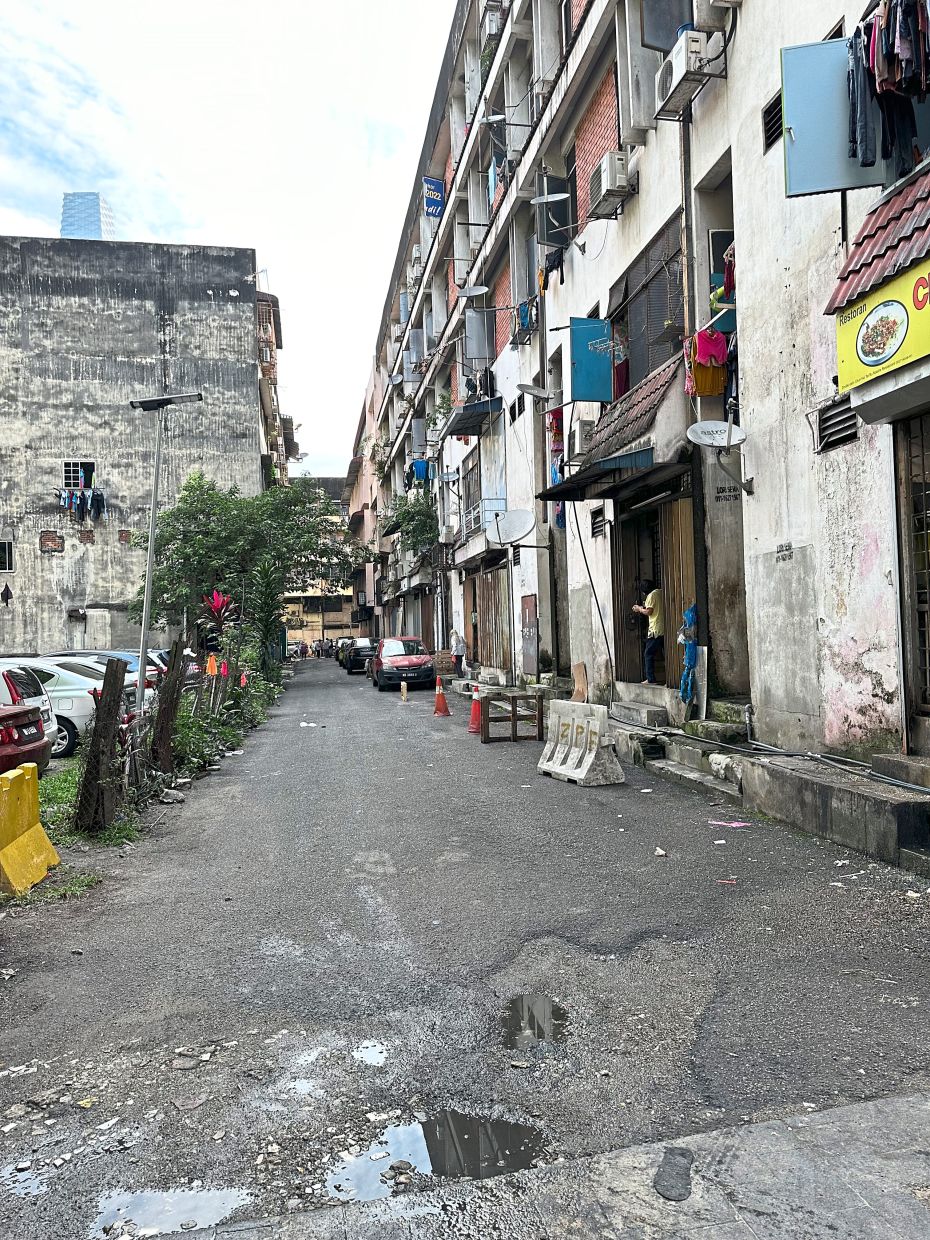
26	852
579	748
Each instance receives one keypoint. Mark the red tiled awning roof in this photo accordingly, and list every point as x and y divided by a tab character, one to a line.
894	236
630	417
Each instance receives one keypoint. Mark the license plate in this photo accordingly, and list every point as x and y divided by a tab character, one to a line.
29	729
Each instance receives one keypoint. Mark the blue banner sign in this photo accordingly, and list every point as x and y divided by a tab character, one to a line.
434	196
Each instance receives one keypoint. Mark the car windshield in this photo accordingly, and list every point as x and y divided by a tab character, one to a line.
362	646
401	646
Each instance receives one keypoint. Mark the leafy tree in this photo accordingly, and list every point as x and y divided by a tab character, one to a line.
213	539
416	519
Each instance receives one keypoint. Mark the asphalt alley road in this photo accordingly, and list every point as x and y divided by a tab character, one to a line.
317	947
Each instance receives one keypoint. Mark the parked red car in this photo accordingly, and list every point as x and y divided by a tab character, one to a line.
402	659
22	738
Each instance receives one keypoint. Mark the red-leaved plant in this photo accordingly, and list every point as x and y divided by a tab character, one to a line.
218	610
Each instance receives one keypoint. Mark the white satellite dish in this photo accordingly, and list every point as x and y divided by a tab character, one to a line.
533	389
510	527
721	435
473	290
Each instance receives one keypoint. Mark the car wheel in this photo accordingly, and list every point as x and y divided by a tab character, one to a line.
67	740
377	684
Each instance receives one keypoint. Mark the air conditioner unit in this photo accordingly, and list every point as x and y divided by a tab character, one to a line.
582	431
416	255
610	185
447	535
682	74
491	26
397	332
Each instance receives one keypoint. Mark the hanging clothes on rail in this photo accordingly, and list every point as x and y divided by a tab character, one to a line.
888	66
555	261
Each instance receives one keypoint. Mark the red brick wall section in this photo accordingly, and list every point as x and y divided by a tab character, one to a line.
502	318
448	174
453	288
578	7
498	195
454	382
595	136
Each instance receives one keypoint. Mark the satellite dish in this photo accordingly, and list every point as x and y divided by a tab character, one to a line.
533	389
510	527
449	475
543	199
473	290
716	435
395	379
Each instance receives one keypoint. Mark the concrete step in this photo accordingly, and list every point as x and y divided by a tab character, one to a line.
851	810
688	752
907	767
728	710
696	779
916	860
634	745
711	730
641	714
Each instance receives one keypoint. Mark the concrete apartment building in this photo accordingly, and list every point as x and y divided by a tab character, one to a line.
565	400
89	326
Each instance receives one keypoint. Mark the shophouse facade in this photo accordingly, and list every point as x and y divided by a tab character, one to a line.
581	213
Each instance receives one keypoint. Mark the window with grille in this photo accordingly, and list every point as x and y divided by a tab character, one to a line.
516	555
72	471
836	425
598	525
647	310
771	123
6	557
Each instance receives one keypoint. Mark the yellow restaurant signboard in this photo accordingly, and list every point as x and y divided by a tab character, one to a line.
887	328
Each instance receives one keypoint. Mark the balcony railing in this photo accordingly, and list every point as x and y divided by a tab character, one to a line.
479	516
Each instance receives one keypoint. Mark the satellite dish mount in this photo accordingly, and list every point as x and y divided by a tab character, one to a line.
511	527
723	437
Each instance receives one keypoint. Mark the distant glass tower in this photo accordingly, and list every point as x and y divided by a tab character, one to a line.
87	216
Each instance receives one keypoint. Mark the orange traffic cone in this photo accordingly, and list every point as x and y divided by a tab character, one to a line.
474	723
442	706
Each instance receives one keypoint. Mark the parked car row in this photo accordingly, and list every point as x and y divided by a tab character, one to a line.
47	702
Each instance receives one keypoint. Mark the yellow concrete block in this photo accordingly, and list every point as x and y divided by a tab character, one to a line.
26	852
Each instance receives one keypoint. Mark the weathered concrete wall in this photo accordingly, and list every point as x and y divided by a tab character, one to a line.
820	538
85	326
726	578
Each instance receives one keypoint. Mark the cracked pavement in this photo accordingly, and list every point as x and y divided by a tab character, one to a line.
318	944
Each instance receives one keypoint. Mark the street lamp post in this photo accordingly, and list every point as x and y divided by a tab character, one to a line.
159	405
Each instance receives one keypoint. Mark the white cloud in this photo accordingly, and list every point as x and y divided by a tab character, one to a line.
294	130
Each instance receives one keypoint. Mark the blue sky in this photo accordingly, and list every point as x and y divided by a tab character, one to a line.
295	133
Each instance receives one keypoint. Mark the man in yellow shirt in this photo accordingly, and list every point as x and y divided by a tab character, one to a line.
654	608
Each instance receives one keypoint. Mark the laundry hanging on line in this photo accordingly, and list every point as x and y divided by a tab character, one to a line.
888	65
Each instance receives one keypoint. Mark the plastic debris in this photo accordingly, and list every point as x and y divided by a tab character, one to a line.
660	852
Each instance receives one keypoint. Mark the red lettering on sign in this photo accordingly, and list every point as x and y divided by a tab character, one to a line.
921	293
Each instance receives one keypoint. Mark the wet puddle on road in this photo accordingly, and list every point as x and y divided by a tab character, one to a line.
373	1053
167	1213
25	1183
529	1019
448	1144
